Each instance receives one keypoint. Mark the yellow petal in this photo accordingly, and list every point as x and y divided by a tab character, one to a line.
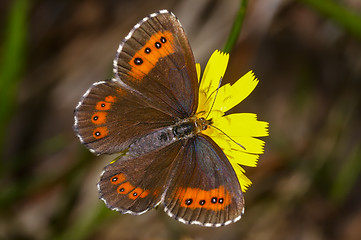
244	181
237	158
215	69
229	95
242	124
231	131
235	155
213	73
198	70
250	144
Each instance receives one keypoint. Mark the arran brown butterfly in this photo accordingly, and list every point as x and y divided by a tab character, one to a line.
147	112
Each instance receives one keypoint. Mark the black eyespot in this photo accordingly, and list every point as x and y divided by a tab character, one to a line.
114	179
220	200
95	118
214	200
121	190
147	50
202	202
138	61
97	134
103	105
158	45
135	194
189	201
163	39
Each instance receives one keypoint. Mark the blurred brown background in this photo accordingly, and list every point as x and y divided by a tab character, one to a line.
307	57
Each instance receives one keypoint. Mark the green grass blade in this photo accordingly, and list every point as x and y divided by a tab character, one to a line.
236	28
12	61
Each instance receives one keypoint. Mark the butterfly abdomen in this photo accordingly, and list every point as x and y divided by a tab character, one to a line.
160	138
155	140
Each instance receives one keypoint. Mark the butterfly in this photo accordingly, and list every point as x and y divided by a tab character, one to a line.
147	112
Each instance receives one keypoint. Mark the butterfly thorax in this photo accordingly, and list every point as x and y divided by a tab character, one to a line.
189	127
181	130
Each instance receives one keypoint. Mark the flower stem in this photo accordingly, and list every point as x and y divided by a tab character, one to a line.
236	28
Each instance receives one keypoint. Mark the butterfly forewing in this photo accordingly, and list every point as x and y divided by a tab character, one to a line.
156	60
109	118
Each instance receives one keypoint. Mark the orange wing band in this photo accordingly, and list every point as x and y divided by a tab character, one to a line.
160	45
214	199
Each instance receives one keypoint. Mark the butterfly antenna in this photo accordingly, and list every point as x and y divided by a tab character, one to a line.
214	100
228	136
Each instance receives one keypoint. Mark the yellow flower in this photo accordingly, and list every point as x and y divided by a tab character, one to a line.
234	133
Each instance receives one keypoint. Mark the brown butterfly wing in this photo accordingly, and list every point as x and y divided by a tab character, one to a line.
134	184
109	117
203	187
151	95
156	60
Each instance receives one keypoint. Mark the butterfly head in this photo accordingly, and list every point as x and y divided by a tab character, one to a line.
203	123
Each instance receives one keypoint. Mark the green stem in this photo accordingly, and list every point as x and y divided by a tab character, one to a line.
236	28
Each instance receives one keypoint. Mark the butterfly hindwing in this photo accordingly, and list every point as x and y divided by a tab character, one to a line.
156	60
203	187
109	117
134	184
